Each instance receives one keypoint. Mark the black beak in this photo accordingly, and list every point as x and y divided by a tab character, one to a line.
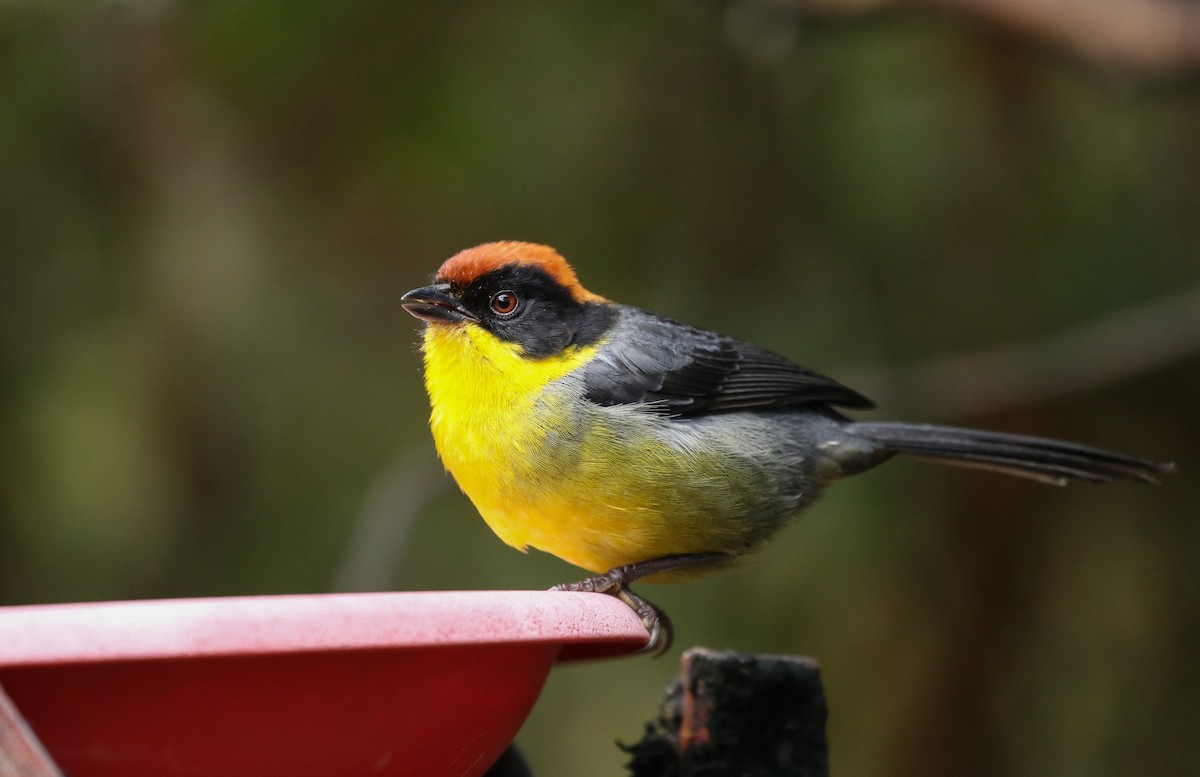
436	305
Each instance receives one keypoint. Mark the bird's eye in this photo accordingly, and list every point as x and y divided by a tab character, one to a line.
504	303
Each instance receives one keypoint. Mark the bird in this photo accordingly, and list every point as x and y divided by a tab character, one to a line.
640	448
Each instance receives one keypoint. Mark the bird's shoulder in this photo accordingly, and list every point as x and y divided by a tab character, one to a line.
686	371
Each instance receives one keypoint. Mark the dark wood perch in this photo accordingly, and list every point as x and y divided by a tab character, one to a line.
737	715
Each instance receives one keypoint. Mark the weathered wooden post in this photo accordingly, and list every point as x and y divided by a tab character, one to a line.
737	715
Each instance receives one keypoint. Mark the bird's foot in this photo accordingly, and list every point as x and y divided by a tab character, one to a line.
615	582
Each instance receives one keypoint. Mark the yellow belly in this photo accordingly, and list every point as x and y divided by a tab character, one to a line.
597	487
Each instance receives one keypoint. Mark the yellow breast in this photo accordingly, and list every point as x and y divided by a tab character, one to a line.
490	417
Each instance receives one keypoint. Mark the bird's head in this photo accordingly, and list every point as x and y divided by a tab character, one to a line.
522	294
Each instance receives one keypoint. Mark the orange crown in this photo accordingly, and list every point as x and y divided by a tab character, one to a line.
466	266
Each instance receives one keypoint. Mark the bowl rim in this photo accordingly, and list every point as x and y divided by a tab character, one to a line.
584	625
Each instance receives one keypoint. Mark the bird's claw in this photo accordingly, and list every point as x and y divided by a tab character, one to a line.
615	582
662	633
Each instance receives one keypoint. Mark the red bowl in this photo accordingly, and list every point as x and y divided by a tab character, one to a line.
341	684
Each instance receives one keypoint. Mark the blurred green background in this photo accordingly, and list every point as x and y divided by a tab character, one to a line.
208	212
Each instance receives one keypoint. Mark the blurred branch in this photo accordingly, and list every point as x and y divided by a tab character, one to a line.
1124	344
394	501
1153	36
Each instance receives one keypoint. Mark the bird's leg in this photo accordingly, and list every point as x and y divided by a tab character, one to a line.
615	582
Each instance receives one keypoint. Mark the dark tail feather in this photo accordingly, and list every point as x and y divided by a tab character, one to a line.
1049	461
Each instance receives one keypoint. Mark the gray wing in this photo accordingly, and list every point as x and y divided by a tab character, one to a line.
687	371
